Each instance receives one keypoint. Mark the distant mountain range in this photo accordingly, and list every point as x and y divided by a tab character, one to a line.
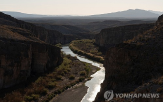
23	15
131	13
156	12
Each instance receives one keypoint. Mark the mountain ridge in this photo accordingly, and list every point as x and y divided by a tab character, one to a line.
130	13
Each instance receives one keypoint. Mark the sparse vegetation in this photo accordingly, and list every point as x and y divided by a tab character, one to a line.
81	79
59	45
87	48
83	73
72	77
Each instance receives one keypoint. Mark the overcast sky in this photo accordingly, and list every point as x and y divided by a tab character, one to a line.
78	7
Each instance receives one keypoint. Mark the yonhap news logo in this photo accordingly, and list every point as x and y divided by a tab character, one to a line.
109	95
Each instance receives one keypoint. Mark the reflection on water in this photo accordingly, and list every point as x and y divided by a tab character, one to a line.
97	78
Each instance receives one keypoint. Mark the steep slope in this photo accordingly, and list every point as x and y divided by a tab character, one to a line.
111	36
49	36
23	53
68	30
129	65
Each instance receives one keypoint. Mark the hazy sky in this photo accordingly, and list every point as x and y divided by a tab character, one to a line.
77	7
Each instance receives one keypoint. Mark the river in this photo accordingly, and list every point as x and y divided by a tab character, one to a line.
97	78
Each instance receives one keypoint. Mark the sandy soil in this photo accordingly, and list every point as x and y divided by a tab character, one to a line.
74	94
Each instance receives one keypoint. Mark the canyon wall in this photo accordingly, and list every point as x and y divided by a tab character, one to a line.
134	66
24	53
19	60
111	36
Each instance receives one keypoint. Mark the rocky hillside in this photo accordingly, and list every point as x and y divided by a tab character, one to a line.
23	51
68	30
112	36
136	65
97	26
48	36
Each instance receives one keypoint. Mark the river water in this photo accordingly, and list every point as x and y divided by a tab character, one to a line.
97	78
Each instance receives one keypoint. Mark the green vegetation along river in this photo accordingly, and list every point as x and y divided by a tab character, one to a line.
97	78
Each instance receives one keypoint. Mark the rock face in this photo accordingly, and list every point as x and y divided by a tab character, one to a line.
23	51
111	36
18	60
129	65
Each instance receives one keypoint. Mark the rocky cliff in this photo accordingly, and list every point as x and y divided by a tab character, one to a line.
18	60
112	36
131	64
23	51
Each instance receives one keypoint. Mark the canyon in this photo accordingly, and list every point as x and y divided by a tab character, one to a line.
134	65
133	53
26	50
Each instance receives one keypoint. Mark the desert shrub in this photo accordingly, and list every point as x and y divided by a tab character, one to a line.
40	90
58	91
71	77
28	98
68	86
50	96
32	97
58	77
51	85
87	68
83	73
81	79
65	71
35	96
41	81
58	45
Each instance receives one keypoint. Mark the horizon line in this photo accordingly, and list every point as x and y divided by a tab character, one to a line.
78	15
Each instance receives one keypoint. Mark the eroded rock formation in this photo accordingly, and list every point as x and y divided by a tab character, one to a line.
23	51
18	60
130	65
112	36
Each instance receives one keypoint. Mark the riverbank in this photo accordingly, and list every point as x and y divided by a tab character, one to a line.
87	48
78	91
94	83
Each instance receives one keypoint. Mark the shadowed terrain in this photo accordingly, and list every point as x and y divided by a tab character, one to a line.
135	65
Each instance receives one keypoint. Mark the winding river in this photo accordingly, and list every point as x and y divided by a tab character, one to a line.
97	78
